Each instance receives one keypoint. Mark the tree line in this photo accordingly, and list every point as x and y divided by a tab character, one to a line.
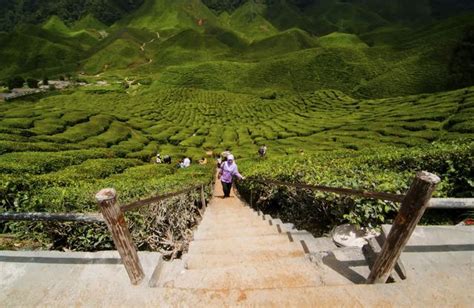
15	12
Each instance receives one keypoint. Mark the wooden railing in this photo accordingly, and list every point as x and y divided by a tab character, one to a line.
61	217
115	220
413	205
435	203
113	216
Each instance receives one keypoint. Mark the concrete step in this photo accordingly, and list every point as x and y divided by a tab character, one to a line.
290	274
216	210
235	242
433	247
312	244
227	232
242	210
267	252
345	265
199	261
240	246
236	227
230	234
226	220
276	221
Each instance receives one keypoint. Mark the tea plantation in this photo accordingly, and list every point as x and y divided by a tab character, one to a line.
353	93
92	139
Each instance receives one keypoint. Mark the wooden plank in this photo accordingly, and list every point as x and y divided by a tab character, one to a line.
61	217
342	191
120	234
451	203
411	211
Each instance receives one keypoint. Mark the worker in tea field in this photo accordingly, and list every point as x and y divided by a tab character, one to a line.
262	151
185	163
227	173
158	158
167	159
203	161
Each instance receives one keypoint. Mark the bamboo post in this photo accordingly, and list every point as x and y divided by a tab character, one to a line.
203	199
411	210
120	234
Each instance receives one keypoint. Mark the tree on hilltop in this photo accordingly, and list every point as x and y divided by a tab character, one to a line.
32	83
15	82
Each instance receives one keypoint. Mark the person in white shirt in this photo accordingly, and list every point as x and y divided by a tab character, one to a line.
186	162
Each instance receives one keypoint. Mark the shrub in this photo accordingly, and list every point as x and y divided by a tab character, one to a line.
32	83
390	170
15	82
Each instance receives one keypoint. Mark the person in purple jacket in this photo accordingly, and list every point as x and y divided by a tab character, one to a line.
227	173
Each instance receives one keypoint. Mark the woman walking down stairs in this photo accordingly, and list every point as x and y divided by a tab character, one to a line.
234	248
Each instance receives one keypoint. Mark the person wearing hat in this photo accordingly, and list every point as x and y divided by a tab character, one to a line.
227	173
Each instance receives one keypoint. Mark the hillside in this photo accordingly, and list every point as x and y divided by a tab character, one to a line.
360	93
287	47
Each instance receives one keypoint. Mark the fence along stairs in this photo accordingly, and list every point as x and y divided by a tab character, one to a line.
235	248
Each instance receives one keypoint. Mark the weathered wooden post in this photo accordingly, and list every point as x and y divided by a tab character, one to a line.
120	234
411	210
203	198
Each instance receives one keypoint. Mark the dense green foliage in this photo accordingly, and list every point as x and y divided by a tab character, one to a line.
387	170
357	47
338	84
32	11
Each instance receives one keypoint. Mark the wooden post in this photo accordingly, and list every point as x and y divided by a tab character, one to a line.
412	209
120	234
203	199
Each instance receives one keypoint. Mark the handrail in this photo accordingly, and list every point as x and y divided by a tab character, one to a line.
114	216
140	203
451	203
62	217
342	191
88	218
435	203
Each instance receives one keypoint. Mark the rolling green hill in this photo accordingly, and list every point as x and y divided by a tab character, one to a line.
360	93
283	46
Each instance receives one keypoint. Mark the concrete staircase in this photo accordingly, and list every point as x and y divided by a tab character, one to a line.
237	248
239	257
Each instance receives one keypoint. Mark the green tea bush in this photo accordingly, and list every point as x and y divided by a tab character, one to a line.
44	162
164	227
386	170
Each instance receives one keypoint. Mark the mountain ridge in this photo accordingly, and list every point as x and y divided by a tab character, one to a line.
359	52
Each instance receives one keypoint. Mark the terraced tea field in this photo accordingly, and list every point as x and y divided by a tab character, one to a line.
189	122
58	151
